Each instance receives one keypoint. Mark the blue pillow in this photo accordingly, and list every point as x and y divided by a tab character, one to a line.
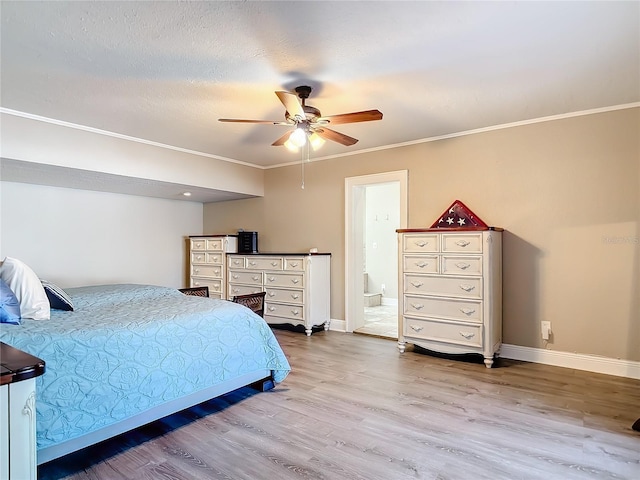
9	305
58	298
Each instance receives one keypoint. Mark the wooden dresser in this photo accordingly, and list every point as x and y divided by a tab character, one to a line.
297	285
451	287
18	457
208	262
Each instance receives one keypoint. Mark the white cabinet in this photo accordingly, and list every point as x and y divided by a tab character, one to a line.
18	456
297	286
451	287
18	430
208	262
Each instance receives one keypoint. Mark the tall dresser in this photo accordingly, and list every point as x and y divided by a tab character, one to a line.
451	286
297	286
208	262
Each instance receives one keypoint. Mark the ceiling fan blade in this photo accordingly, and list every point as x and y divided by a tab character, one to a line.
238	120
335	136
282	139
292	104
365	116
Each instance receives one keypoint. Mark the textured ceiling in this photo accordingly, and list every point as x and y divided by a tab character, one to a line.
166	71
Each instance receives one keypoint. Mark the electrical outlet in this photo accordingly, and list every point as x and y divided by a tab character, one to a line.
546	330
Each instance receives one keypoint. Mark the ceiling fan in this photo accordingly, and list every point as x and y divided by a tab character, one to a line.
309	124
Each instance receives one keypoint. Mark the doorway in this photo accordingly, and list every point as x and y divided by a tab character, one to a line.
359	248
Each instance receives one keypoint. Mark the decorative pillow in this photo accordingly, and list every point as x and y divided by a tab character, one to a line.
9	305
26	286
58	298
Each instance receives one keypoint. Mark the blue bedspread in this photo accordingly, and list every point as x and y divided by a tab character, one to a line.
127	348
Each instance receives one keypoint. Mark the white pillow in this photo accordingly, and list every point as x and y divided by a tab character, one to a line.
28	289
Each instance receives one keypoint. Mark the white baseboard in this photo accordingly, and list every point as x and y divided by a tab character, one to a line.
338	325
578	361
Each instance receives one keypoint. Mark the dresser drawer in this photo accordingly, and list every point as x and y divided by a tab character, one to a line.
420	263
214	271
215	244
420	242
265	263
283	280
207	257
285	295
246	277
284	311
198	257
236	262
462	264
198	244
457	242
215	286
294	264
214	257
462	334
465	310
463	287
236	289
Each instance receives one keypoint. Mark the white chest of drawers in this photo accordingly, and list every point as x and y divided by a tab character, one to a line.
297	286
208	262
451	284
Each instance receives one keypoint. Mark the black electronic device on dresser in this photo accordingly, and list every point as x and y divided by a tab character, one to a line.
247	242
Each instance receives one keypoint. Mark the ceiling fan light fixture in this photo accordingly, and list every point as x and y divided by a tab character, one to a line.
316	141
298	137
290	146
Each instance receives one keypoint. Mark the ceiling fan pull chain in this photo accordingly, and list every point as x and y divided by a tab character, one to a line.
302	163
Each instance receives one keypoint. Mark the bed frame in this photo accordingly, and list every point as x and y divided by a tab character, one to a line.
261	380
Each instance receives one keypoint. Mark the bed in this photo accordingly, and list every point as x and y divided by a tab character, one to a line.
130	354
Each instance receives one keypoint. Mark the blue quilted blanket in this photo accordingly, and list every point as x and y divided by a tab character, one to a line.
127	348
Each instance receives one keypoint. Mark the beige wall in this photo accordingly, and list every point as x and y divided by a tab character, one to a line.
565	191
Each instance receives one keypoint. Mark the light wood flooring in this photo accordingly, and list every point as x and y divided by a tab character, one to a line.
354	408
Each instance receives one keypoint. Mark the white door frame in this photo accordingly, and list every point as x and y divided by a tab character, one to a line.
354	231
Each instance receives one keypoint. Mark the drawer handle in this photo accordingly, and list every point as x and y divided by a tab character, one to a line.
295	280
467	335
216	287
420	243
271	294
463	266
468	311
417	284
252	263
198	257
467	288
272	279
197	270
235	277
274	264
294	264
196	284
417	306
236	290
255	278
416	328
216	272
237	262
421	264
295	296
272	309
295	312
462	243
